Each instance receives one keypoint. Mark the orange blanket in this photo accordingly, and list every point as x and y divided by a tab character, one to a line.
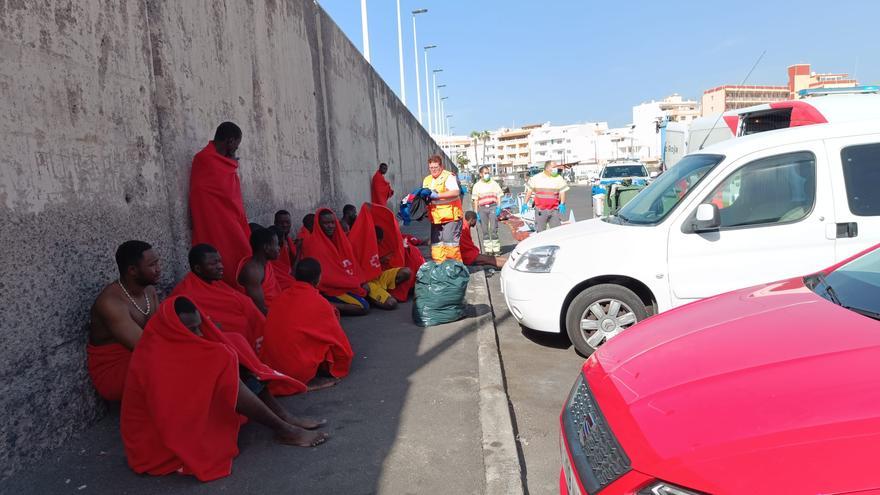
380	189
178	411
302	332
340	271
216	207
232	310
108	365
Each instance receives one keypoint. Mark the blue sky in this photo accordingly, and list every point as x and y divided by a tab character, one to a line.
510	63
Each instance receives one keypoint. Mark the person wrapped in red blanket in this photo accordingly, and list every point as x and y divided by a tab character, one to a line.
228	308
303	336
470	254
380	188
215	201
255	274
396	250
186	386
342	282
119	315
288	249
364	237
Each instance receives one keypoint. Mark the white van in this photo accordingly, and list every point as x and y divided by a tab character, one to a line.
754	209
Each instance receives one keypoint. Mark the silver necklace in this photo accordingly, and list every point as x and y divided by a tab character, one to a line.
146	298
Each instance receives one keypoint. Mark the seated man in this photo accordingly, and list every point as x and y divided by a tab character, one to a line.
118	316
389	279
186	386
470	254
342	282
287	257
255	274
228	308
283	269
303	335
395	250
307	226
349	216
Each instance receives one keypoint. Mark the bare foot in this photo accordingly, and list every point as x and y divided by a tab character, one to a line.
320	382
299	437
305	423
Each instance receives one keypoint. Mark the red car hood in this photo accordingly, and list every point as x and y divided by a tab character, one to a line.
764	390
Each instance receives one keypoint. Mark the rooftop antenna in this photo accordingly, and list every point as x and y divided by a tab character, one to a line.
722	112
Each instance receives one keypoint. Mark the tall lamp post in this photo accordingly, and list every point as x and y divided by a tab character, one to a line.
400	56
433	96
364	30
416	55
428	96
438	114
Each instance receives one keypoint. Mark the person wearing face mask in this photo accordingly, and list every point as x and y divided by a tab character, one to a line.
486	196
548	189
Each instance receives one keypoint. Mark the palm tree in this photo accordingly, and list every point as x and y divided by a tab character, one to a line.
484	136
462	160
477	135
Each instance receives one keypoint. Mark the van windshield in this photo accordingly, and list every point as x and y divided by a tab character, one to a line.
613	171
655	202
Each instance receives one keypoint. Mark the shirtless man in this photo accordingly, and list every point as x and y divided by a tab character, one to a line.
119	316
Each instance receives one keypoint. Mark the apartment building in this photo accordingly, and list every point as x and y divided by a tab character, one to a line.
646	119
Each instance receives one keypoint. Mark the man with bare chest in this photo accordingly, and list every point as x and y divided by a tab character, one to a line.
119	316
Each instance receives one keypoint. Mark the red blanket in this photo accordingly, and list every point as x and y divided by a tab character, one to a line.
469	250
271	287
232	310
108	365
380	189
302	332
284	264
216	207
364	243
178	412
414	261
394	244
340	272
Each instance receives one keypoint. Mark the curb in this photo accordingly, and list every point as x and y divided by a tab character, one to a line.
500	458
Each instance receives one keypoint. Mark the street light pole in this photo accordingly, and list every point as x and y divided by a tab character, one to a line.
428	88
400	56
364	30
435	102
416	56
438	115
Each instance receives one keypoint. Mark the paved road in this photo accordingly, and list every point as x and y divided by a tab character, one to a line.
405	421
539	370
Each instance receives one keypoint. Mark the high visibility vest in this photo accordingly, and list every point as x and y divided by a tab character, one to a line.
442	210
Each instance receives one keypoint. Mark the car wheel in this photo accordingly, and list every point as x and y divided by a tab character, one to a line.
600	313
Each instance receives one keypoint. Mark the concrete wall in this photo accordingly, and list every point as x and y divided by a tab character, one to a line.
104	104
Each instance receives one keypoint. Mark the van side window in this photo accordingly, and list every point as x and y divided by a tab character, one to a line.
861	174
777	189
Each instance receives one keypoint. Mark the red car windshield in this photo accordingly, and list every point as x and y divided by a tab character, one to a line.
855	285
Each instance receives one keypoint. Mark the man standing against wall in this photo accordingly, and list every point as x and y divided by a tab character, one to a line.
548	188
445	211
215	201
486	196
380	188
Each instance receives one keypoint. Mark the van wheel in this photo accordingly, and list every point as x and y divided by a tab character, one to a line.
600	313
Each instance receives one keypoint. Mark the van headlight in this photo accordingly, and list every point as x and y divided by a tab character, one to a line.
537	260
663	488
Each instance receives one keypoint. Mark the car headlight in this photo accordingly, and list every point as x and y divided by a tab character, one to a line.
664	488
537	260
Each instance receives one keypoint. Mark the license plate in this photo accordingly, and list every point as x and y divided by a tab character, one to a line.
570	479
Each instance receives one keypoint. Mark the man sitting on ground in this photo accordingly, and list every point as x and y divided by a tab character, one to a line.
303	334
256	275
365	245
342	282
287	256
228	308
307	226
119	315
470	254
349	216
187	385
389	279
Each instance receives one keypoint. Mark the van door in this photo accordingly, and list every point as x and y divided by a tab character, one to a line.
774	206
855	174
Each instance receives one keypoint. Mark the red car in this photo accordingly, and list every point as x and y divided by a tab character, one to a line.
773	389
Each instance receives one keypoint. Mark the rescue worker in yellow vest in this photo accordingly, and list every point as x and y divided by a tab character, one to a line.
444	210
548	188
486	195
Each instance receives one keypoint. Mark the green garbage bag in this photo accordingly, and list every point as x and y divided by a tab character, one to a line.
439	293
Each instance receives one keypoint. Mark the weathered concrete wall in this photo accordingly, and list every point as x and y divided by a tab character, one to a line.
105	102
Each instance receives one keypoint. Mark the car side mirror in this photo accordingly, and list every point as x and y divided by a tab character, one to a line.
707	219
653	174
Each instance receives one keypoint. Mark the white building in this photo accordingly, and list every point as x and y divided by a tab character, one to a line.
646	120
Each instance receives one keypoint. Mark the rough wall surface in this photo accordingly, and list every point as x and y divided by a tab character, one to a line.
105	103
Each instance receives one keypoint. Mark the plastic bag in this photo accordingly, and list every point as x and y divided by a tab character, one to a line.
439	293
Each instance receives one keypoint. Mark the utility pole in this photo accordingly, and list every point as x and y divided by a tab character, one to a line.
400	56
416	56
365	31
428	96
